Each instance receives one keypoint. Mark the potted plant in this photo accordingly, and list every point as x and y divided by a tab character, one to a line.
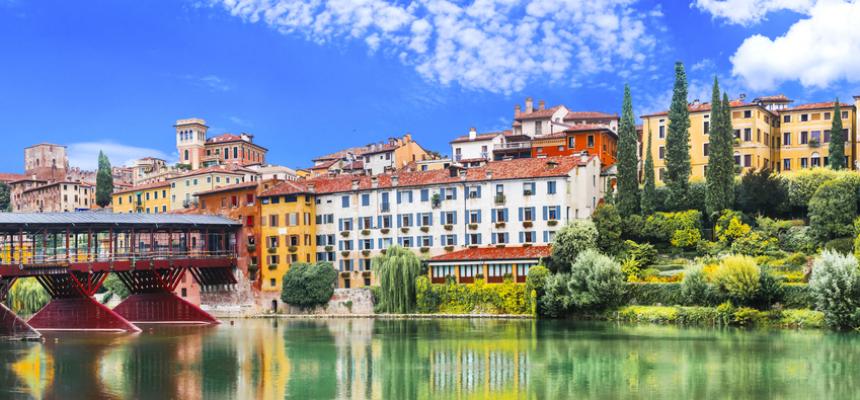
500	225
449	227
329	248
385	231
251	247
449	248
272	250
365	232
383	251
404	229
273	266
552	222
527	224
365	253
436	200
292	249
425	229
344	253
344	233
527	245
425	249
473	226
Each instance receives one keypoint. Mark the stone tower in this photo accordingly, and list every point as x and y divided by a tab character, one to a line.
191	140
46	161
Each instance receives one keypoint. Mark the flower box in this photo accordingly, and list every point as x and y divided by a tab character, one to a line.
527	224
552	222
329	248
425	249
344	233
385	231
501	245
272	250
473	226
251	248
365	232
449	227
404	230
449	248
273	266
500	225
500	199
425	229
527	245
344	253
365	253
292	249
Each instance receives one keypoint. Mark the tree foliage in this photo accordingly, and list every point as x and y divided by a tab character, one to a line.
628	160
397	270
5	197
607	220
678	141
571	240
27	296
308	285
596	282
837	139
649	189
762	192
832	210
721	167
104	181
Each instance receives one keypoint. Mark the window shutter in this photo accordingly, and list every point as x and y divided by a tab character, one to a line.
493	216
545	212
506	215
546	236
521	213
340	245
399	220
431	241
455	240
399	197
479	216
479	192
340	224
493	239
479	239
454	214
454	193
430	218
521	237
507	237
442	194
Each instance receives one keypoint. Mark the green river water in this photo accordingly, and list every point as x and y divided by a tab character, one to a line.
446	359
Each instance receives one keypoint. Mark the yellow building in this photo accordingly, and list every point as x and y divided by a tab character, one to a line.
768	134
184	188
805	133
287	230
152	198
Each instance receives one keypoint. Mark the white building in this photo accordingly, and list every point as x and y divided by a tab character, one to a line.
512	203
269	172
475	146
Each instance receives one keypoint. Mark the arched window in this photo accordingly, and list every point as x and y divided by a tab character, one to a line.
186	155
815	159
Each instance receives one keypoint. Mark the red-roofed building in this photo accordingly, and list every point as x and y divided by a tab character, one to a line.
196	150
493	264
517	202
374	158
590	139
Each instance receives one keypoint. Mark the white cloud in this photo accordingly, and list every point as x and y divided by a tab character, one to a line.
817	51
748	12
86	154
493	45
240	121
211	82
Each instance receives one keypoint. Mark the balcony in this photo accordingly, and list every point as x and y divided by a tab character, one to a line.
514	146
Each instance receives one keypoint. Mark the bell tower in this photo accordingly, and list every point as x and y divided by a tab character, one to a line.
191	141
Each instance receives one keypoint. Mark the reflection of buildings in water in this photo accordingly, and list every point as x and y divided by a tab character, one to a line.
36	370
188	378
353	339
478	370
264	368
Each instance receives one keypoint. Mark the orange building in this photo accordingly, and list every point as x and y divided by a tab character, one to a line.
593	139
238	202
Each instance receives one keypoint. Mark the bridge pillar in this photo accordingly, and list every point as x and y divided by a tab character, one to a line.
153	300
73	308
10	323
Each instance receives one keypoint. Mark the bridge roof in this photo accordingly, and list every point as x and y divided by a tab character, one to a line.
15	221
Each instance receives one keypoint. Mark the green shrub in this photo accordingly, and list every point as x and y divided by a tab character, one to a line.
308	285
802	184
631	227
797	239
832	210
695	288
797	296
770	292
607	221
630	268
762	192
571	240
654	293
730	226
802	319
738	277
774	228
754	244
661	226
840	245
478	297
116	287
596	282
535	284
643	253
745	316
835	288
555	300
686	238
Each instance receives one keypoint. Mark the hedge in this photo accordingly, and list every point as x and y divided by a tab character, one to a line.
478	297
654	293
722	315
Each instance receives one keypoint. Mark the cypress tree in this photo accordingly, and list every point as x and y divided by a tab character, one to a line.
678	142
836	151
104	181
627	199
720	173
649	191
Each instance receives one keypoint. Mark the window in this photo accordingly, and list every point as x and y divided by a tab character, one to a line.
786	164
473	192
804	163
661	152
815	160
786	139
804	137
707	127
365	199
425	219
273	220
449	194
474	216
815	137
845	115
747	160
786	118
473	239
345	245
804	117
425	194
384	221
705	149
500	215
449	217
590	140
551	213
449	240
500	238
826	116
344	201
499	270
661	133
527	237
404	196
527	213
550	187
528	188
425	241
747	134
406	241
404	220
365	244
365	223
345	224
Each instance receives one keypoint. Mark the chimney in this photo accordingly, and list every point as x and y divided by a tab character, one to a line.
529	107
395	180
583	156
473	133
516	110
311	186
541	105
742	96
355	184
696	103
463	175
551	164
407	137
374	182
489	174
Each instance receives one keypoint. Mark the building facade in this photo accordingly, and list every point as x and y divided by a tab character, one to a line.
579	139
152	198
184	188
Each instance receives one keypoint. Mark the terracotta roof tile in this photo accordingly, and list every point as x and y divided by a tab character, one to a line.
480	136
545	113
573	115
520	168
495	253
222	169
227	188
10	177
152	185
700	107
816	106
779	98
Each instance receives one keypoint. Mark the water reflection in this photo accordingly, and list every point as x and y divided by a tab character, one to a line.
464	359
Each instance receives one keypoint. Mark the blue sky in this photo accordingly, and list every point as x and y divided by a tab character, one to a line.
309	78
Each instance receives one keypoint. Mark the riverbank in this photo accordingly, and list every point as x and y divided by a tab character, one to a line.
392	316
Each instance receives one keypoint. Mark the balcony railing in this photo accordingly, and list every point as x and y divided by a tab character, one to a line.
514	146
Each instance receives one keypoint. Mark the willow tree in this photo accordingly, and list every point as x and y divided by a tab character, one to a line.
649	190
627	199
836	152
27	296
678	142
397	270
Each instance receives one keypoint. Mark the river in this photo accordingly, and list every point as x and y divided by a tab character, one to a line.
460	359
